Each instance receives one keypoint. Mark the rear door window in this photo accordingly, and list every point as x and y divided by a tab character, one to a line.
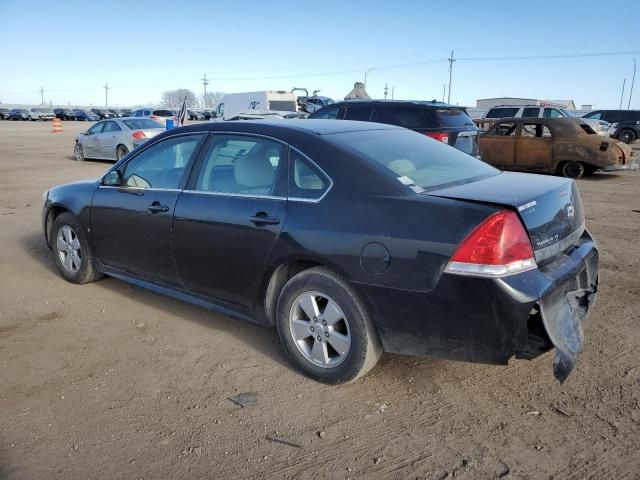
407	117
327	112
531	112
453	117
504	129
358	113
535	130
502	112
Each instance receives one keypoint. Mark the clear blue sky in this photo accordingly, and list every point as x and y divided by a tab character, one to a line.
142	48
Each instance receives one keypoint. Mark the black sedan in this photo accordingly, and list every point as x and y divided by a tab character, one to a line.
350	237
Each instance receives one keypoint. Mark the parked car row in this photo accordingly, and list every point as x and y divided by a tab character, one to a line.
33	114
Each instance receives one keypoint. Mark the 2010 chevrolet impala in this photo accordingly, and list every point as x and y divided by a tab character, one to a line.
350	237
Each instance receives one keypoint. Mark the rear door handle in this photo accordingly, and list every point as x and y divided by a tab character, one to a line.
156	207
262	218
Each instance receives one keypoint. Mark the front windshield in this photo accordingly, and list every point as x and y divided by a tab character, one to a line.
414	159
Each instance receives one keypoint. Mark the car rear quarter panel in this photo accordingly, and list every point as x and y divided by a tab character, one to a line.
576	149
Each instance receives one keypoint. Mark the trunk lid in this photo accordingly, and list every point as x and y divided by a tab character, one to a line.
549	207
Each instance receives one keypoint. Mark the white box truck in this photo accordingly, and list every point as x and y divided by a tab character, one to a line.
234	103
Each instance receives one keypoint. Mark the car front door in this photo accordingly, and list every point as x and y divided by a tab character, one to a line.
534	147
229	217
497	146
108	140
90	140
131	216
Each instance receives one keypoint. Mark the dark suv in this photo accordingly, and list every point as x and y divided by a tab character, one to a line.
625	124
447	123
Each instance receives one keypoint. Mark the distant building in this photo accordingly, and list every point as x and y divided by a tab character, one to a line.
487	103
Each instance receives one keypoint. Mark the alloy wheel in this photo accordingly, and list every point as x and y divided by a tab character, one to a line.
320	329
627	136
69	250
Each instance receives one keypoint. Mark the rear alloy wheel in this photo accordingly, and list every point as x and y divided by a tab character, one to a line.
627	136
71	250
572	169
121	151
78	152
325	329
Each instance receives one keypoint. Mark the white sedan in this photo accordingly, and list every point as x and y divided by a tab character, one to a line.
112	139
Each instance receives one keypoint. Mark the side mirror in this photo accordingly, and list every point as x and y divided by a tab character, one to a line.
112	179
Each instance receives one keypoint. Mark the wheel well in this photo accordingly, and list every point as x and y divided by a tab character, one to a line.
53	213
279	277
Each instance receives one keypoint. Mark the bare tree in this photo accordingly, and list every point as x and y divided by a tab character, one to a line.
174	98
212	99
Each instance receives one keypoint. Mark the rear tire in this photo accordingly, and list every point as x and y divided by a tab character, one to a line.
325	329
121	151
572	169
627	136
71	250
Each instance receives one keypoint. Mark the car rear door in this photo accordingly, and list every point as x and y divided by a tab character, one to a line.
108	139
534	147
131	221
229	217
497	146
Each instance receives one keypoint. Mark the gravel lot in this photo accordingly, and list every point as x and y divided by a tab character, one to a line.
110	381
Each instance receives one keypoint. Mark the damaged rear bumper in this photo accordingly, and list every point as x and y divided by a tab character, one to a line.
493	320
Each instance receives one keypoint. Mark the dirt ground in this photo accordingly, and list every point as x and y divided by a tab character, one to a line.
109	381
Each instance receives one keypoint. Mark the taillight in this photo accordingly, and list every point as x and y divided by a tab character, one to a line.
138	135
441	137
497	247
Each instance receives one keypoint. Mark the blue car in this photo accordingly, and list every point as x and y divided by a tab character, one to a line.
85	116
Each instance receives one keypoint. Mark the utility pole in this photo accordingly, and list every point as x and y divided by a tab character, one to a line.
444	89
106	94
622	94
392	90
386	90
632	82
451	60
205	82
41	95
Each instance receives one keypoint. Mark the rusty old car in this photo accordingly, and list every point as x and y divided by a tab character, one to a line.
561	146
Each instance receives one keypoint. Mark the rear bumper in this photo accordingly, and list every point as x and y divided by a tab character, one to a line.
492	320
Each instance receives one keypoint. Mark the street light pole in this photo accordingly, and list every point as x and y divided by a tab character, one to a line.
622	94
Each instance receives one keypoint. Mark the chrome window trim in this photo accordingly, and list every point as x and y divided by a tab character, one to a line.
325	174
241	195
118	187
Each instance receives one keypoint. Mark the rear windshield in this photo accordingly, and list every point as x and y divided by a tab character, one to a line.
413	158
163	113
453	117
141	124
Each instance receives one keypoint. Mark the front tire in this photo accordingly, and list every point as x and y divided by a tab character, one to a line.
572	169
627	136
71	250
325	329
78	153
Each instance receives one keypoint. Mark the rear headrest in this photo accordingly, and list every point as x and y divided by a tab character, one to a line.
254	170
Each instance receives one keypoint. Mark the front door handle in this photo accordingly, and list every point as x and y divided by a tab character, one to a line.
261	218
156	207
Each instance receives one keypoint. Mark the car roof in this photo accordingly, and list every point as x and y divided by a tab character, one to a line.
311	126
432	103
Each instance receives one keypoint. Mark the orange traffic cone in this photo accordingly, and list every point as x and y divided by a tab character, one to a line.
57	125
